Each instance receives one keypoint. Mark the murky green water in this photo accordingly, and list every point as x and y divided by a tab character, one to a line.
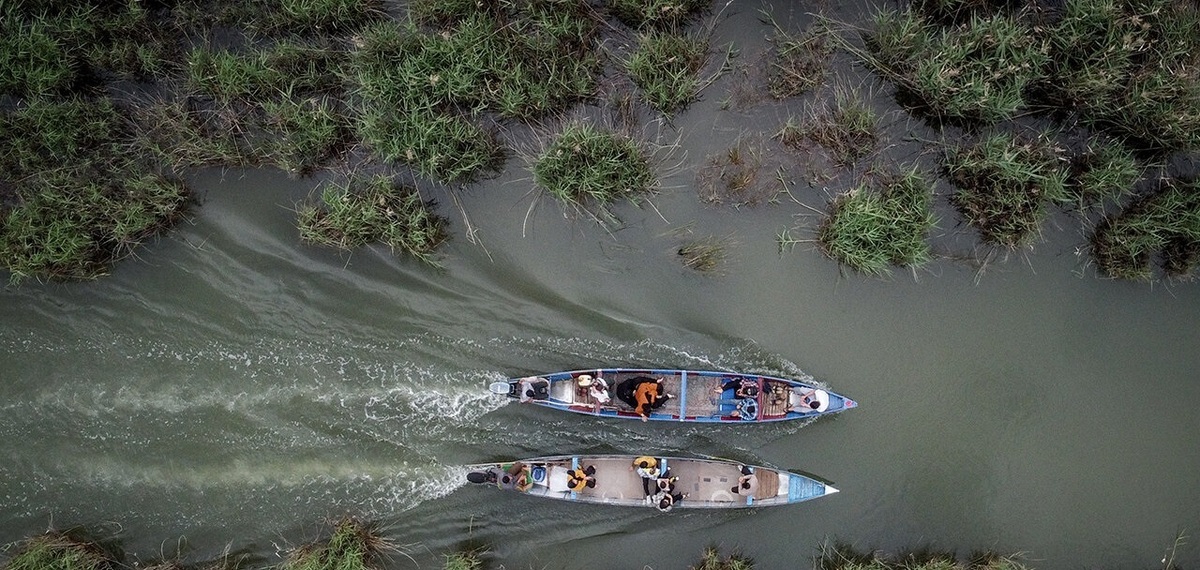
234	386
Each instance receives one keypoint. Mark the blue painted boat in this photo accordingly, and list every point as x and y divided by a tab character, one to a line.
678	395
667	483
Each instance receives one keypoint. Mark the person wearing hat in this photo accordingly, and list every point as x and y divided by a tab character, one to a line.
597	388
534	388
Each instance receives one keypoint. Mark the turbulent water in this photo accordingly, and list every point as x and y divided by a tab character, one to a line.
233	388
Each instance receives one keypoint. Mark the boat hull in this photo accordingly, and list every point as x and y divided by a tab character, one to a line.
696	396
708	483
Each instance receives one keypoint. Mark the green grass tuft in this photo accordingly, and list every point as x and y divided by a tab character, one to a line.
463	561
848	128
712	560
662	14
666	67
1164	224
872	228
34	57
67	227
586	165
975	71
367	210
303	133
1104	173
353	545
56	551
1132	68
1004	185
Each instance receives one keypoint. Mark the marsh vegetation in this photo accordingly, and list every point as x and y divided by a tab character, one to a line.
1078	107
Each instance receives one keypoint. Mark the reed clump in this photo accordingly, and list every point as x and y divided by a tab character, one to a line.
516	60
841	556
666	67
848	127
585	165
798	63
1104	173
1164	224
874	226
663	14
974	71
353	545
261	74
57	551
373	209
712	559
1130	68
1005	184
303	133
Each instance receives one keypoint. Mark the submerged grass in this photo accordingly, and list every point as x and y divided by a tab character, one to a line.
1164	224
375	209
742	175
303	133
872	227
848	128
666	67
798	63
1005	184
585	165
704	255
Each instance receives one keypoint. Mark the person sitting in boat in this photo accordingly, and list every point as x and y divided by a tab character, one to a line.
597	388
744	400
747	484
534	388
742	387
634	391
515	478
665	501
815	400
647	469
580	479
666	483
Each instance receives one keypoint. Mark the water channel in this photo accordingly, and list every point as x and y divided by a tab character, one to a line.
235	387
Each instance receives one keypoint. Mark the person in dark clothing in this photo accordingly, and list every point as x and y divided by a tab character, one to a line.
666	501
747	483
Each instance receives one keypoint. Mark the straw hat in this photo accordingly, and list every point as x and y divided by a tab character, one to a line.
584	380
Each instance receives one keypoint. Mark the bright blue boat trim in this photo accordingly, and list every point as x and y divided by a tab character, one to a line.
804	488
683	396
574	465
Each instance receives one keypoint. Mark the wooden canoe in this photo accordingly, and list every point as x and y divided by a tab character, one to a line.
694	395
708	483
